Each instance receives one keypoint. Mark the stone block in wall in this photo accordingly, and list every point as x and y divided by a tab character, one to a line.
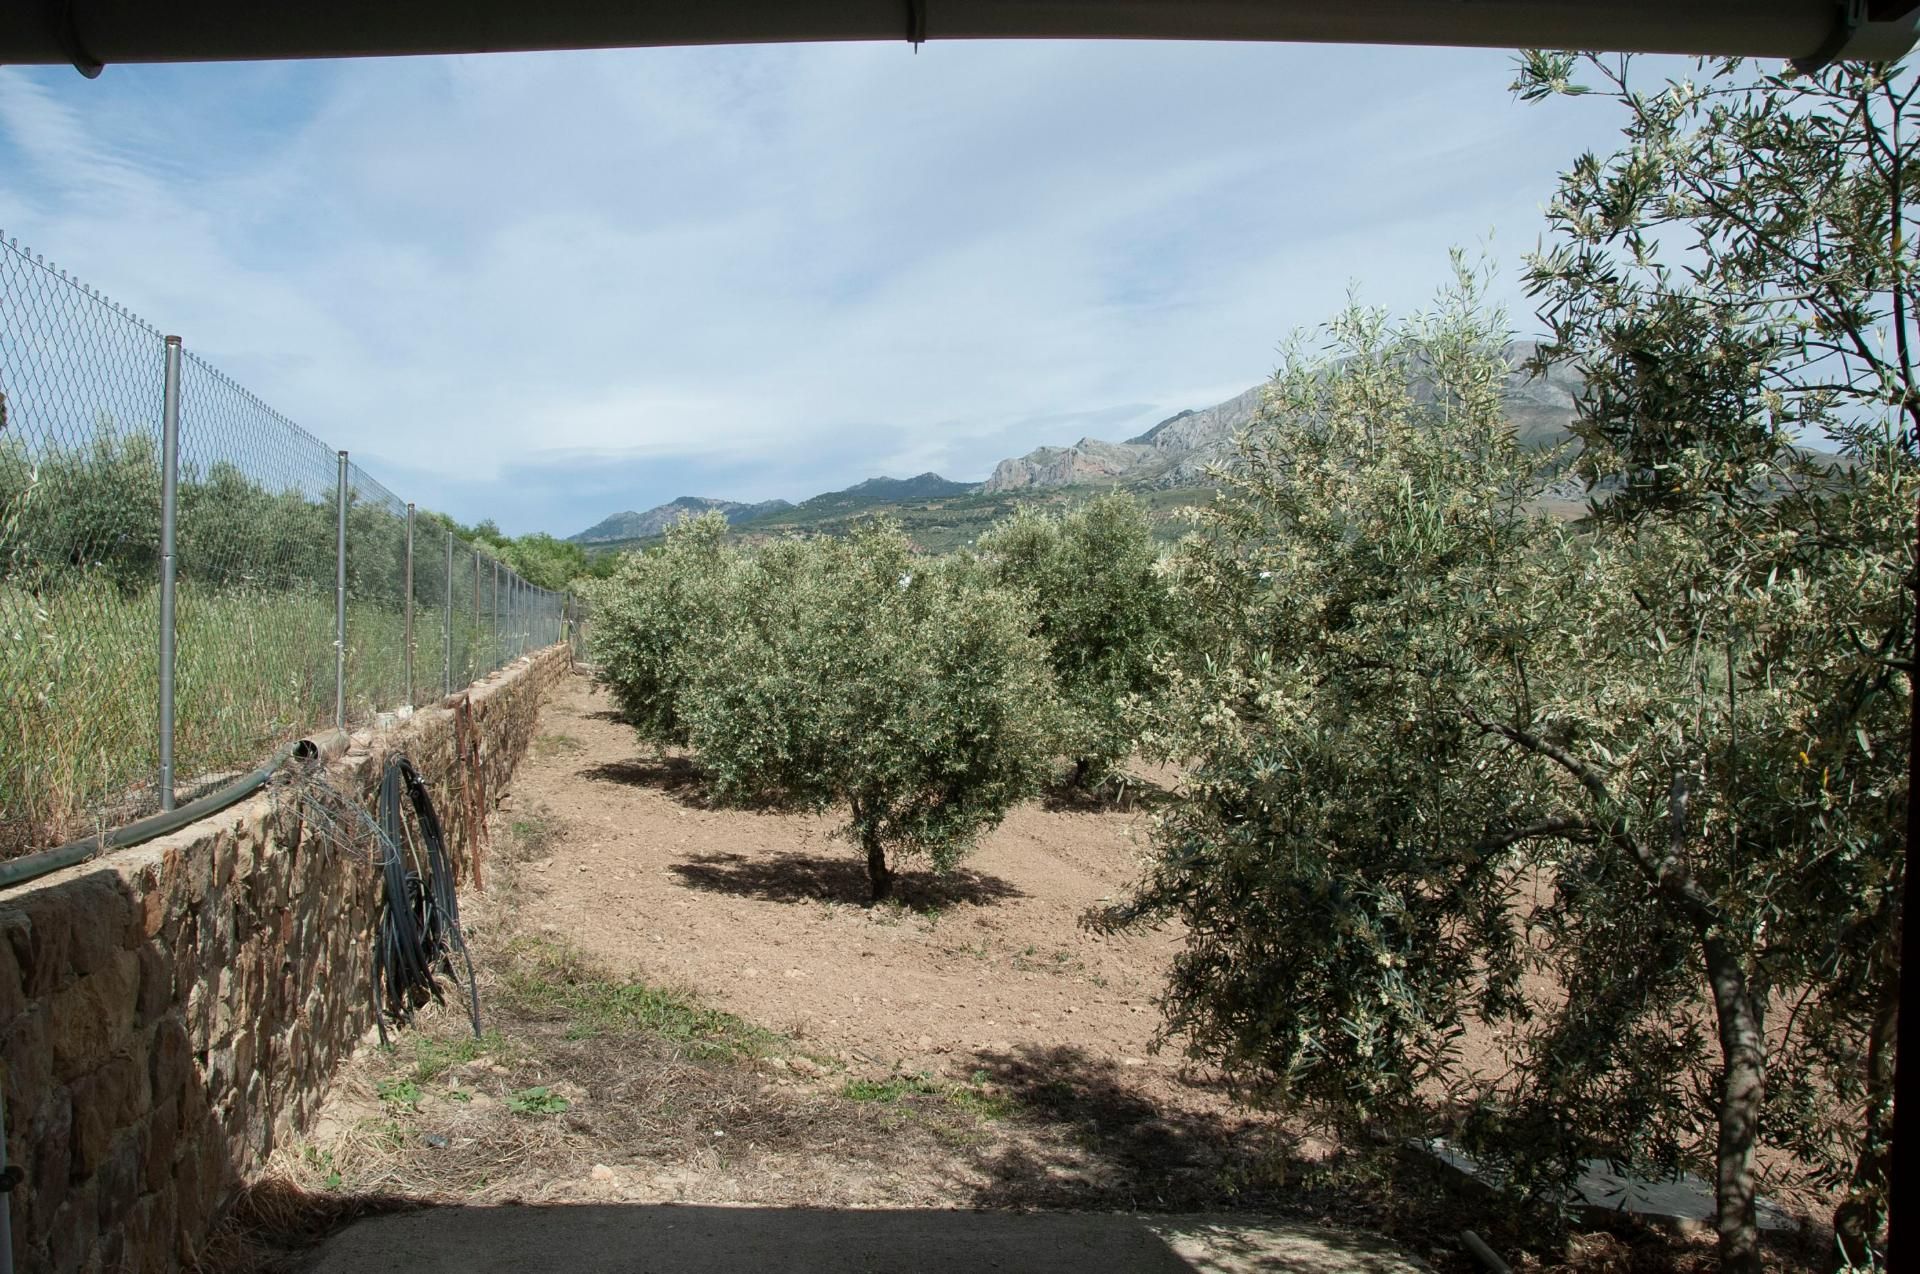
168	1014
159	1141
13	991
156	984
110	1099
90	1017
40	940
72	1232
117	1182
44	1151
170	1064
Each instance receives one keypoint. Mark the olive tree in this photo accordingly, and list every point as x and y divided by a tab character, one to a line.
1736	279
1102	610
655	618
850	673
1423	701
1343	846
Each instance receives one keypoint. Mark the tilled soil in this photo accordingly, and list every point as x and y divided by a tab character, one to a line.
764	915
973	1046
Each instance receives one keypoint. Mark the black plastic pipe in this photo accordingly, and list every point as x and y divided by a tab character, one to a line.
18	871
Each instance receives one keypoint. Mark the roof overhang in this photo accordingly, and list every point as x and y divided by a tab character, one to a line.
89	33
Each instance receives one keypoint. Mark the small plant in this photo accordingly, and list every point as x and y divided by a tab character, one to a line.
434	1057
555	982
398	1094
973	1098
317	1158
538	1100
533	833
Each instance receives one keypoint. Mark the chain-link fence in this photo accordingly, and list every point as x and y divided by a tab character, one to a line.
255	587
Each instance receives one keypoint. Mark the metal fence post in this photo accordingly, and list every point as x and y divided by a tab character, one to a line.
169	504
496	613
473	630
446	661
340	601
409	655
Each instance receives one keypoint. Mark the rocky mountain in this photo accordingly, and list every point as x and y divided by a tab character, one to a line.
1177	451
634	526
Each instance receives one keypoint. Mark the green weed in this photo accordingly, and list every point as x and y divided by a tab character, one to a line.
548	980
971	1098
538	1100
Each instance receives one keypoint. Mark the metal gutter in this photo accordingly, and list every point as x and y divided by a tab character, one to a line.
90	33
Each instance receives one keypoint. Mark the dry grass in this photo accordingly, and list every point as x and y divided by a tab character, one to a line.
588	1087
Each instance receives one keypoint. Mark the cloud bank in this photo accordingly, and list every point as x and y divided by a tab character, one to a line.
541	288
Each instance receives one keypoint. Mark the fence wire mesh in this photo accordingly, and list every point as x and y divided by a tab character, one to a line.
256	515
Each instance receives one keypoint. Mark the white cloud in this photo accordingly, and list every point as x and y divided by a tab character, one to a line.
733	263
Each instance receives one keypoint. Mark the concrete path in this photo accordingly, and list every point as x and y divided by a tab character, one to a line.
683	1239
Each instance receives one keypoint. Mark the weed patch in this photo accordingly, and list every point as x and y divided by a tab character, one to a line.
552	982
974	1098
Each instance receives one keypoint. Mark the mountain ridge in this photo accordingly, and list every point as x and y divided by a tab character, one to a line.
1171	456
634	526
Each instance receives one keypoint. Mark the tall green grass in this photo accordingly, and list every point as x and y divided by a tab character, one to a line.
79	689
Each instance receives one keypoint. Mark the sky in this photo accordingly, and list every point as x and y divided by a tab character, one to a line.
542	288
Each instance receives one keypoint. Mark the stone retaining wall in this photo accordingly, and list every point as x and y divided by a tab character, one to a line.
171	1012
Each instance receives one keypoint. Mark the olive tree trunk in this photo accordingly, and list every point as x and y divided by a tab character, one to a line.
879	875
1743	1084
1858	1220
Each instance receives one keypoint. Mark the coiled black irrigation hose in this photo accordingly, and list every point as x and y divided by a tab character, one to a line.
418	932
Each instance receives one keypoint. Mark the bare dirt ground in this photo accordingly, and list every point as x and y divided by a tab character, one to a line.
762	914
691	1005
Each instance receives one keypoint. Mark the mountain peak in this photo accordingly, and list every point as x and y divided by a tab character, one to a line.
637	526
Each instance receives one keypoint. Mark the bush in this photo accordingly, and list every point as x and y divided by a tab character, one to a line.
657	615
1419	704
854	675
823	672
1365	565
1102	610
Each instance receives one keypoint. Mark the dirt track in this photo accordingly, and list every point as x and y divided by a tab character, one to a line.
762	914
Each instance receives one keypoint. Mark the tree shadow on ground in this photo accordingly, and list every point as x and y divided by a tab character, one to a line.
1109	1143
607	714
1121	1148
273	1225
676	776
793	876
1134	796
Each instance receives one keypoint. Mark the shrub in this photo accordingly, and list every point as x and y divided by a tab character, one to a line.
1102	610
850	673
1418	698
656	616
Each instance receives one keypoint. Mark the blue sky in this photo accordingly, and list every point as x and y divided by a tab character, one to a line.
547	287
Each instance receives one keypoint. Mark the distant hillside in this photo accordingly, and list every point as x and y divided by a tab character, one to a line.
875	492
1177	452
639	526
1166	465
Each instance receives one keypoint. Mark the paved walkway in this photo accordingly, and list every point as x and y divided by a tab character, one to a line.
679	1239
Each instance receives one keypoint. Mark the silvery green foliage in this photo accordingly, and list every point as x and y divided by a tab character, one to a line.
835	672
1437	743
1104	612
1341	849
656	618
1735	278
854	674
